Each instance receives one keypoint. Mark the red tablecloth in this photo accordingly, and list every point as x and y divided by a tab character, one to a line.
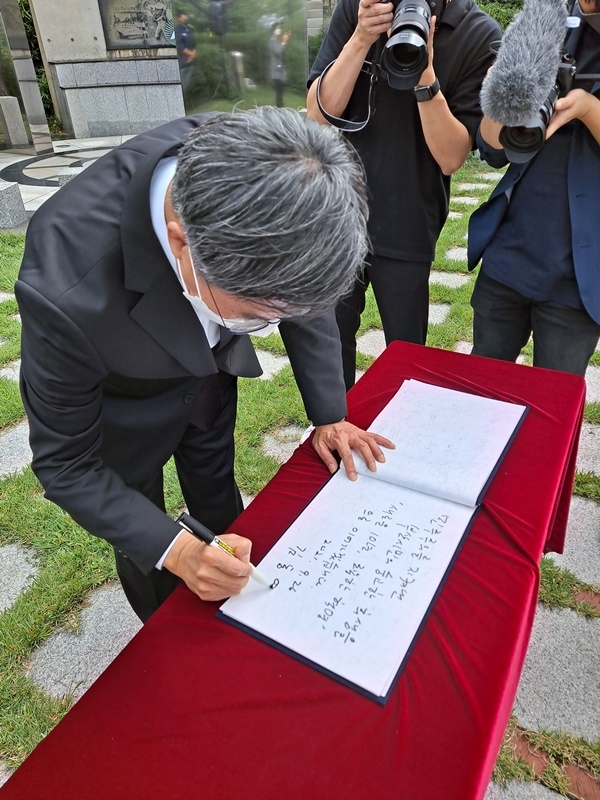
195	708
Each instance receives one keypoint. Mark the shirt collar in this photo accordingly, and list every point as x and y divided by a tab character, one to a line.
161	179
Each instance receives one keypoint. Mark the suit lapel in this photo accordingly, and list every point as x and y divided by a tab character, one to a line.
162	311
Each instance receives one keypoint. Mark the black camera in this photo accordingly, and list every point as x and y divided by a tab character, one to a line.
405	55
522	142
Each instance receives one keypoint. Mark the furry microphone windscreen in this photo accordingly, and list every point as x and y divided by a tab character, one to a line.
524	72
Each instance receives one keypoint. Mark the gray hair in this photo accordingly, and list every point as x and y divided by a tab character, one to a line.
274	208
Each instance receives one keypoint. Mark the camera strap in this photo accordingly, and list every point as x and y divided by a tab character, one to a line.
370	69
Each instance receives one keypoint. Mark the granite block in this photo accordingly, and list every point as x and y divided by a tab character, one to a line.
12	209
77	112
167	70
158	105
11	122
174	97
65	74
86	73
137	108
117	73
146	72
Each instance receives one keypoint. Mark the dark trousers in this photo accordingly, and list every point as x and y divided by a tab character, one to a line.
278	86
401	289
205	468
563	338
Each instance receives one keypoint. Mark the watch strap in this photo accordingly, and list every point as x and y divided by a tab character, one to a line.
424	93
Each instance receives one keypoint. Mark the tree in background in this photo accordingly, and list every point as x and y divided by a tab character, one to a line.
38	64
502	10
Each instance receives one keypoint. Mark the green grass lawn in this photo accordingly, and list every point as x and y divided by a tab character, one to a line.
71	562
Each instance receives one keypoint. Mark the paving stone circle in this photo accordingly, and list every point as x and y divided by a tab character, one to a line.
11	371
4	296
520	790
490	176
454	215
588	457
14	446
465	201
271	364
463	347
246	499
371	343
18	569
457	254
592	378
582	544
472	187
5	774
558	690
281	443
438	313
71	661
452	279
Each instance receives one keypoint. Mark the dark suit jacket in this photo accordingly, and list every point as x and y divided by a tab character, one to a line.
584	201
112	350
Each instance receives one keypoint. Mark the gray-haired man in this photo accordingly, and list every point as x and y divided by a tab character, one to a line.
138	278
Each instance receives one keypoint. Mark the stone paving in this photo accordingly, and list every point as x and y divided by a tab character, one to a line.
17	571
555	691
520	791
69	662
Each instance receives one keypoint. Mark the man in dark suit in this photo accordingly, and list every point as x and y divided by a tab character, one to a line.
538	235
138	280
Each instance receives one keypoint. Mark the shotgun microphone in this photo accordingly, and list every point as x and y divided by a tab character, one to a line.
524	74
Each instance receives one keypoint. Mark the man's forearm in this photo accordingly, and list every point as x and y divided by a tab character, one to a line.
490	133
337	86
447	138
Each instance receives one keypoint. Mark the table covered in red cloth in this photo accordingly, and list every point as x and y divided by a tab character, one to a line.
194	708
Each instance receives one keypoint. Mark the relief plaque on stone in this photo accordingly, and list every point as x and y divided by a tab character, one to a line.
131	25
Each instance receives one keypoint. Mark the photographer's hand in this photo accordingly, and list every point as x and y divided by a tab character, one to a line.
428	75
578	104
374	18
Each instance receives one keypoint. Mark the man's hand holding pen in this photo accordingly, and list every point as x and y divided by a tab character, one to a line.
207	571
221	571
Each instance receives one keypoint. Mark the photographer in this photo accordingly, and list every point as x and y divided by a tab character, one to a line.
541	250
411	145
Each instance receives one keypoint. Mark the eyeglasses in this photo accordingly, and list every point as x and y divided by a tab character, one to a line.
241	326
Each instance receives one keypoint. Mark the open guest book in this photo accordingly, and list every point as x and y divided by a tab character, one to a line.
357	572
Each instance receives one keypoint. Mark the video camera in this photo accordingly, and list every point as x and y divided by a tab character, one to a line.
404	55
522	142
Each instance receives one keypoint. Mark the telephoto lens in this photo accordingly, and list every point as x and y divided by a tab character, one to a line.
405	54
522	142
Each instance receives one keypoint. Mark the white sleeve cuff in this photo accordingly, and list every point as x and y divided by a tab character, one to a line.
159	564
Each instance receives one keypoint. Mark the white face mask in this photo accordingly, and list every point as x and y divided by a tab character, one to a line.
237	326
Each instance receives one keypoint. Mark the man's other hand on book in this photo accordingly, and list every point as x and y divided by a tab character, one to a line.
344	437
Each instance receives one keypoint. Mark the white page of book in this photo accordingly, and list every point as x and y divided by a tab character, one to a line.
355	575
447	442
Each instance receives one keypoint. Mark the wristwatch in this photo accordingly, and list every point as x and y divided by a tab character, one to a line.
424	93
